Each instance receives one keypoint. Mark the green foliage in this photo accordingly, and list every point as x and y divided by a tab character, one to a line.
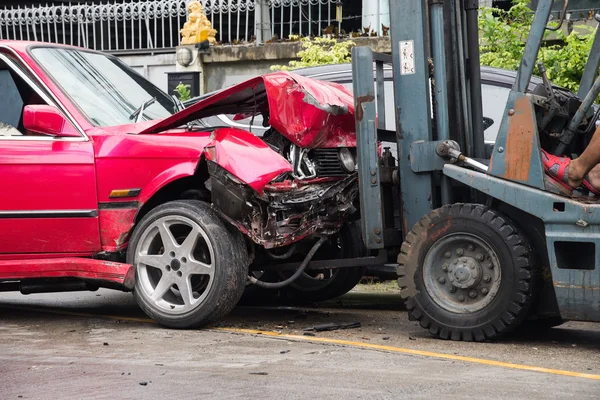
504	33
320	51
183	91
565	64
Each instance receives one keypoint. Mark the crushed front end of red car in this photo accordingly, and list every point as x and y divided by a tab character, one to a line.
300	178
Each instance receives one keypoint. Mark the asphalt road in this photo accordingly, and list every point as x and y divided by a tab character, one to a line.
99	345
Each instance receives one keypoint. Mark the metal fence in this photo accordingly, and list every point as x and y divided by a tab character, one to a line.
116	25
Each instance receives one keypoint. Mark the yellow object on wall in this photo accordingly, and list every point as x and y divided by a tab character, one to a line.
197	28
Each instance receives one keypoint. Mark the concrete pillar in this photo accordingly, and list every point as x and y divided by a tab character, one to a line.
196	65
262	22
375	13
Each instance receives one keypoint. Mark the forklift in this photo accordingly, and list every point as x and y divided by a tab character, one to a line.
485	244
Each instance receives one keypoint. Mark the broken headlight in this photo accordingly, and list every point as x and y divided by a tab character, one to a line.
347	160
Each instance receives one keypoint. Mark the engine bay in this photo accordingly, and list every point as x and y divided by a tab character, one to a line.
316	197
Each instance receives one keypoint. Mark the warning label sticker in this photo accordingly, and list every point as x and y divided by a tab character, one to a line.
407	57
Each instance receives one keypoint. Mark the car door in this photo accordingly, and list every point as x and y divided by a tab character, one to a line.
48	202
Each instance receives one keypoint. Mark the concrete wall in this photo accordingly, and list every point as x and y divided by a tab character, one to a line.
228	65
222	75
225	66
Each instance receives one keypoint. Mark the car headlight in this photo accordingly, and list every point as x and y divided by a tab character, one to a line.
347	160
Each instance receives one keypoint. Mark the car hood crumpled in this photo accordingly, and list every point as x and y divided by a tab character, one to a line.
309	112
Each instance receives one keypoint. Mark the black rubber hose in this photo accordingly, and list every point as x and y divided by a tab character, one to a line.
299	271
283	256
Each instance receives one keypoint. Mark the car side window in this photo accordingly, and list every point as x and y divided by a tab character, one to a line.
494	103
16	94
390	118
11	105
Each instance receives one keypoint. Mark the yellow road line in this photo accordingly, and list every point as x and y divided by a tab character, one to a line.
422	353
348	343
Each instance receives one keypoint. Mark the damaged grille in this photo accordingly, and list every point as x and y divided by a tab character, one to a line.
328	164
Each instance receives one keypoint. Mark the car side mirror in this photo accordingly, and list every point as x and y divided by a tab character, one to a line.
47	120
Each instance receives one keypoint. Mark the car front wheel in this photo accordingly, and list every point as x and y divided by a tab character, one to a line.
190	269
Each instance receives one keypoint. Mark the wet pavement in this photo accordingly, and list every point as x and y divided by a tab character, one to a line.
100	345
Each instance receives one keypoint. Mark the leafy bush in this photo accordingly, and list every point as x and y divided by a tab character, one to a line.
504	33
320	51
183	91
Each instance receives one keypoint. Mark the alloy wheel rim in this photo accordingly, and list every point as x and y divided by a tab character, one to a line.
175	263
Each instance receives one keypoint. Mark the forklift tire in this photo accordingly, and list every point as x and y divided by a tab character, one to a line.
467	273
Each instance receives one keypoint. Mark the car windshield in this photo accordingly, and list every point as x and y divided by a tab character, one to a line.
105	90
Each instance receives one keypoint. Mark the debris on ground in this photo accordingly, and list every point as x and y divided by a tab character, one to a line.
332	326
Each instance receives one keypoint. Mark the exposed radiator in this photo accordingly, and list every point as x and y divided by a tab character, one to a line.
328	164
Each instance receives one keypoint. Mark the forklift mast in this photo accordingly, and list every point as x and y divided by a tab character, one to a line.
434	45
444	166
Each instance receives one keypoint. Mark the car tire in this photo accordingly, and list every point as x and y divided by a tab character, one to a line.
467	272
307	288
190	268
342	280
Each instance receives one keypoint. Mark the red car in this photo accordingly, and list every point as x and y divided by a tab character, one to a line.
108	182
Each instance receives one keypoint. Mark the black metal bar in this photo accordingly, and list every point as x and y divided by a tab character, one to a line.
392	237
385	135
380	82
442	105
383	58
472	10
380	259
453	61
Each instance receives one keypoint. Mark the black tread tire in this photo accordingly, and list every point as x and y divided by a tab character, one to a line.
231	268
344	281
516	293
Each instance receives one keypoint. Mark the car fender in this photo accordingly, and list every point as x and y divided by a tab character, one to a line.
118	218
183	169
246	157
